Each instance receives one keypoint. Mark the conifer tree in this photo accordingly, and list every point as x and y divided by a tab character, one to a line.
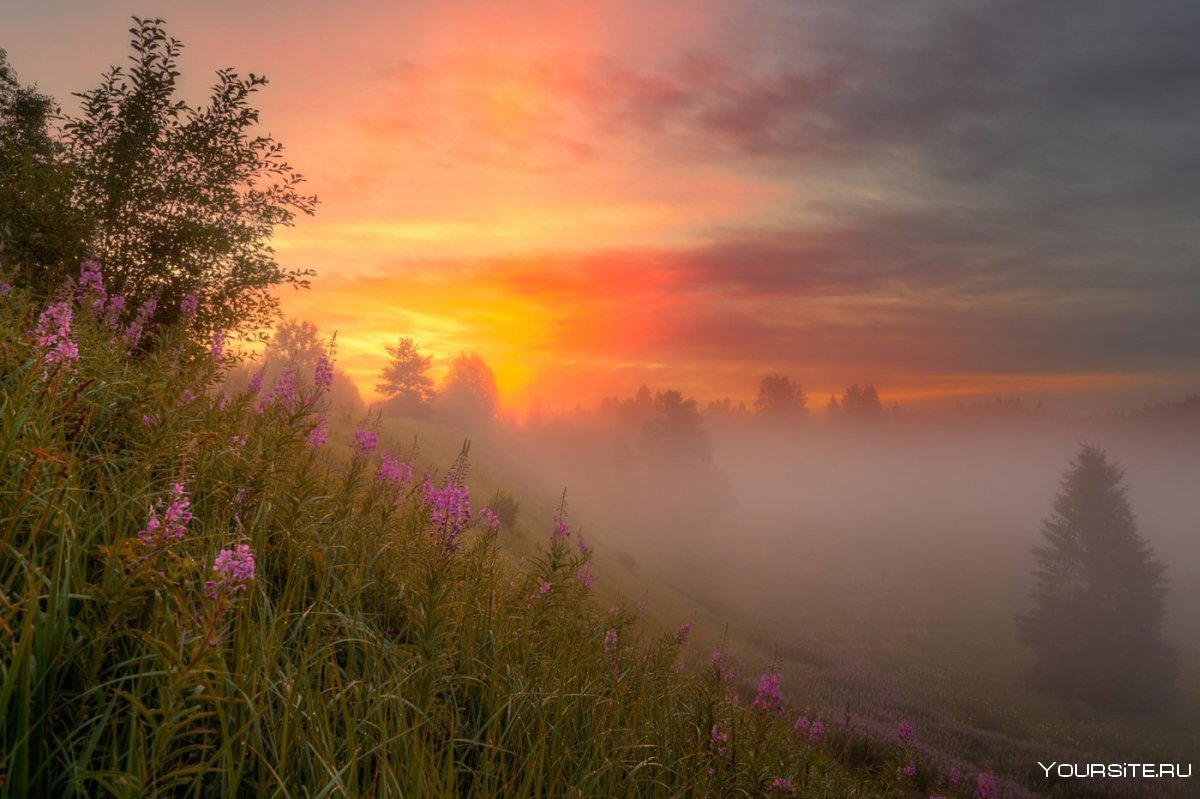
1099	597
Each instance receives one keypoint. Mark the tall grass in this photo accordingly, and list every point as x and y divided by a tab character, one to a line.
375	639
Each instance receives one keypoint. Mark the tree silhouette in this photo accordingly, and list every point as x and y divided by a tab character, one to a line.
183	199
469	392
1099	596
861	402
41	234
675	431
779	399
404	379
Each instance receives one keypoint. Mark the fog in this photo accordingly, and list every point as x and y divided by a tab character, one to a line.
896	546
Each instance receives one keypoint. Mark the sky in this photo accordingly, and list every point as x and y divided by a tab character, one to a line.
943	199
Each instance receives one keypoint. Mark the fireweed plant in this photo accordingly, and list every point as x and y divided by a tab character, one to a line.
212	595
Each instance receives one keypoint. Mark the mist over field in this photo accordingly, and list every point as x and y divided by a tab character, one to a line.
884	562
312	478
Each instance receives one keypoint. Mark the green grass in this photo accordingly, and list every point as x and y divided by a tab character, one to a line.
370	655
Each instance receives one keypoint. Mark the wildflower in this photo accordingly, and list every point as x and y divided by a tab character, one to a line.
449	511
53	333
640	607
955	776
802	724
216	349
561	531
186	398
768	697
783	787
91	286
717	739
365	441
133	333
681	634
543	589
904	732
393	471
613	610
256	381
323	375
491	519
5	286
585	575
149	419
985	786
318	436
909	769
232	570
189	306
816	733
610	641
721	662
112	314
236	442
172	525
584	549
284	389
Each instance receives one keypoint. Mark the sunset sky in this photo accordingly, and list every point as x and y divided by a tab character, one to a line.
941	198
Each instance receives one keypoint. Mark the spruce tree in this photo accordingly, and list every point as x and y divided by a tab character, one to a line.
1099	597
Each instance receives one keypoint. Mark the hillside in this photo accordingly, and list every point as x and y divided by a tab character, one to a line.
214	595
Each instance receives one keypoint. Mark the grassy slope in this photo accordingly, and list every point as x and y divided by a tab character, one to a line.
948	662
368	656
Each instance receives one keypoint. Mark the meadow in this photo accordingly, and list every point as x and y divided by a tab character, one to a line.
221	595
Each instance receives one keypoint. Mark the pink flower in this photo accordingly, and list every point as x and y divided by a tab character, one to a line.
490	519
909	769
768	697
284	389
112	315
543	589
392	471
318	436
173	522
610	641
449	512
365	441
216	349
53	334
133	333
256	381
904	732
323	374
189	306
985	786
232	571
683	631
561	531
782	786
717	739
585	575
816	733
91	286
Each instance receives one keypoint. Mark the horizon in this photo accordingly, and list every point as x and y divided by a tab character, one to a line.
944	201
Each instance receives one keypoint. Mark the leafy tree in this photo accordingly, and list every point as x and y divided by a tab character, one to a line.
296	342
1099	596
183	199
676	430
404	379
469	392
779	399
861	402
41	234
